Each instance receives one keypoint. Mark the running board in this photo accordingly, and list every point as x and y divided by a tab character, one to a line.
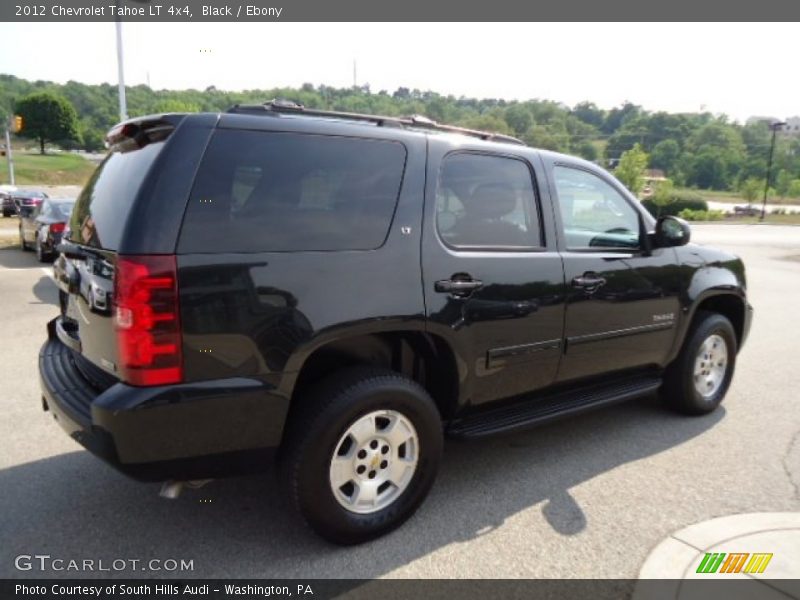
534	410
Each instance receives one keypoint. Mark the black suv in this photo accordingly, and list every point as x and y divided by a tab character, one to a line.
345	290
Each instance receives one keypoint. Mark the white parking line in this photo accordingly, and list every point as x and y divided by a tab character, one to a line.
48	271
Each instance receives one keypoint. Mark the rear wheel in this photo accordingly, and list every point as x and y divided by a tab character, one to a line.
22	241
697	381
41	255
361	454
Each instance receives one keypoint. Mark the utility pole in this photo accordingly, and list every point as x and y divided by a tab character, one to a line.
123	108
9	155
774	127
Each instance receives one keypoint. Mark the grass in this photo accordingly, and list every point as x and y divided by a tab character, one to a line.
792	219
51	169
733	198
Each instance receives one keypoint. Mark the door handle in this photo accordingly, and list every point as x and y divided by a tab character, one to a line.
588	281
457	287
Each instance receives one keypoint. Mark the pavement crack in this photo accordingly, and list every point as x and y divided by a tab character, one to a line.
791	463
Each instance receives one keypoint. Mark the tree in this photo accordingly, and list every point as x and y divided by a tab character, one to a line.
589	113
47	118
175	106
751	188
630	170
794	188
616	117
587	150
665	156
782	183
663	195
518	118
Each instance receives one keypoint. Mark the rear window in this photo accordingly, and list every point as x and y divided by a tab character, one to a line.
101	211
273	192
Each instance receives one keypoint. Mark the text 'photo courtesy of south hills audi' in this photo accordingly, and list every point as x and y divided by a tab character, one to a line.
343	291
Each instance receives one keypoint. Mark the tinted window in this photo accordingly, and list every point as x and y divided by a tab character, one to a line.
102	209
486	201
262	192
593	213
64	209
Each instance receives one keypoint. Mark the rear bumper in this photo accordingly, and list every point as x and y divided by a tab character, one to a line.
188	431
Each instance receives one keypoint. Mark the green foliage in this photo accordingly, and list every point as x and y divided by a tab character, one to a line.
695	150
47	118
630	170
794	188
675	202
665	156
518	118
587	150
701	215
782	183
589	114
664	194
751	189
172	105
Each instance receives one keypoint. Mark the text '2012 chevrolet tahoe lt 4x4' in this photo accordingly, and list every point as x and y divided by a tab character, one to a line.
344	291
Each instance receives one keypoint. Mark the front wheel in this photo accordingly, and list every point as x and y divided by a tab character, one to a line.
361	454
696	382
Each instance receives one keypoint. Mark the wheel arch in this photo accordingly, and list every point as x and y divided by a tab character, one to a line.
730	304
423	357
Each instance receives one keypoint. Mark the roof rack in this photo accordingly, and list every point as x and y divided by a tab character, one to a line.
276	107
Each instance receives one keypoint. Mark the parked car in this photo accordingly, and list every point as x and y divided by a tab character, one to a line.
746	210
42	227
344	290
28	199
7	200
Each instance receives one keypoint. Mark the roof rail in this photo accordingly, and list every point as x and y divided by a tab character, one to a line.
275	107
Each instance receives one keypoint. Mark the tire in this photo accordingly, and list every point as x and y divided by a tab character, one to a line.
22	241
40	256
690	372
370	401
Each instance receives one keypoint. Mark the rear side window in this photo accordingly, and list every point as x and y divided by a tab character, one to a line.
485	201
273	192
102	209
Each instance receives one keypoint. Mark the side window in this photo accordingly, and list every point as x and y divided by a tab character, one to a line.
593	213
486	201
277	192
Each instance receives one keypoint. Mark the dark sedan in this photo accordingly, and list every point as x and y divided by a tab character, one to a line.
8	206
42	227
27	198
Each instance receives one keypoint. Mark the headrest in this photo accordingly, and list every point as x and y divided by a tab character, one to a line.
490	201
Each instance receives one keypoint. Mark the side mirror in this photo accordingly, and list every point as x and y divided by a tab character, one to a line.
672	231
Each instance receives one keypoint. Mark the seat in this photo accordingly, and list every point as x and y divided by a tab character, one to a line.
482	221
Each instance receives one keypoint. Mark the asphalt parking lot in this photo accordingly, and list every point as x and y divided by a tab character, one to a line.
586	498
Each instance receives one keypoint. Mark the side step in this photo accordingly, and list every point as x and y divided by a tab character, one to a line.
534	410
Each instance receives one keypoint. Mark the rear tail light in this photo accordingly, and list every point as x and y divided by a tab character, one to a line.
146	320
57	227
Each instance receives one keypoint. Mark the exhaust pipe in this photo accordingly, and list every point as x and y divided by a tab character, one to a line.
171	490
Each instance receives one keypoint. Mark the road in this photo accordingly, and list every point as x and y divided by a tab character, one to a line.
587	497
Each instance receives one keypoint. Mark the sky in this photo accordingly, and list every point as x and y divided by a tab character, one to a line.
739	69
